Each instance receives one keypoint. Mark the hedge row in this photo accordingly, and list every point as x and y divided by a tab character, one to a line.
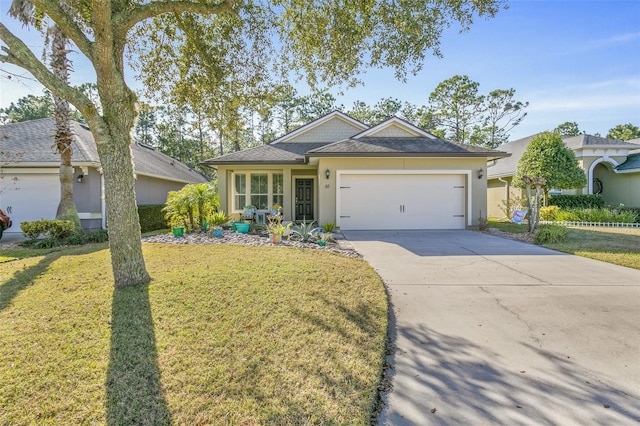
152	217
584	201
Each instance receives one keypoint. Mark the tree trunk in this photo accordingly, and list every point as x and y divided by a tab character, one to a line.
125	246
63	139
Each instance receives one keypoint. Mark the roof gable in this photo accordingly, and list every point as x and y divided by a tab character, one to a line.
329	128
394	127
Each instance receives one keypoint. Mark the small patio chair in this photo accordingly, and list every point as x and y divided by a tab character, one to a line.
249	213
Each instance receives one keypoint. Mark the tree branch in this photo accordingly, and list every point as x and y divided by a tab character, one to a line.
66	23
127	19
17	53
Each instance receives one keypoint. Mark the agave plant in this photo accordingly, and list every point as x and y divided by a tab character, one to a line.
306	232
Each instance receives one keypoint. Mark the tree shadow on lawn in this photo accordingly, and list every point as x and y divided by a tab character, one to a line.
23	279
470	383
134	391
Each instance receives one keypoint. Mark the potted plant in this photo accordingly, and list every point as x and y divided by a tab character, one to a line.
217	220
276	229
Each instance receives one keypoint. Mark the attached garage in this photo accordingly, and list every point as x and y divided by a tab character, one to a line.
34	195
369	200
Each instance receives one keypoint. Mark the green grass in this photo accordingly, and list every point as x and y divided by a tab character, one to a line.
508	226
222	335
7	255
620	246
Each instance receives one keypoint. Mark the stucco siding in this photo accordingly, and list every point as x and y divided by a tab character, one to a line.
151	190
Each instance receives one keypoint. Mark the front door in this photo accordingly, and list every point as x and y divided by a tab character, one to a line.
304	200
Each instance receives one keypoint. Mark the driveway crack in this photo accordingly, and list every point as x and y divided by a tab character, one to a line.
517	315
506	266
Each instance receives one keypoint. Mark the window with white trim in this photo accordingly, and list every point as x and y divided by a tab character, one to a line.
277	189
240	191
259	190
262	190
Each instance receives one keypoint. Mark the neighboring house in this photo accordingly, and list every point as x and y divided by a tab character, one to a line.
612	168
30	184
336	169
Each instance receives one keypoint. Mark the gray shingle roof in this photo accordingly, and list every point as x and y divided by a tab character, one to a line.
508	166
581	141
401	146
282	153
30	142
295	152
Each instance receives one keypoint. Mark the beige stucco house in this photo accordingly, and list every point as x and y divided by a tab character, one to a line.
336	169
612	168
30	182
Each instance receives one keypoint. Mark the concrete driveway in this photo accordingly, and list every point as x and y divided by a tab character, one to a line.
492	331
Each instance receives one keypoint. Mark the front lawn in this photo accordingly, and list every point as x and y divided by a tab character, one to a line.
620	246
223	334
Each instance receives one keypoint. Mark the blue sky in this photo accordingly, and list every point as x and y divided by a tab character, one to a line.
571	60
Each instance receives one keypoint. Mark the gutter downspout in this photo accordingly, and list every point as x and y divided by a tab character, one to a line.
103	206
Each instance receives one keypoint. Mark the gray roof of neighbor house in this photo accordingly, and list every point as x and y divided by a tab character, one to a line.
582	141
29	144
402	146
508	166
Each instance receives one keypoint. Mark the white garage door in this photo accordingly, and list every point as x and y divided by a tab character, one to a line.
32	197
401	201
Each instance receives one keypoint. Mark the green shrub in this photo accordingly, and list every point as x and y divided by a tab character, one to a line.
583	201
152	217
329	227
549	212
632	210
99	236
546	234
56	229
596	215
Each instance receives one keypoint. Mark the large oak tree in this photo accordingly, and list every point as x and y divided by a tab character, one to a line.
329	41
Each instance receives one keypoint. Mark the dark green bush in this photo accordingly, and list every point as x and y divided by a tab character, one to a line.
152	217
550	234
56	229
583	201
75	239
99	236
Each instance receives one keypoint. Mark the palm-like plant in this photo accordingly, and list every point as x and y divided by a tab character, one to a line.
25	11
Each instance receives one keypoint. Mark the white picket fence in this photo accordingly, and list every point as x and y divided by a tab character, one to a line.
591	224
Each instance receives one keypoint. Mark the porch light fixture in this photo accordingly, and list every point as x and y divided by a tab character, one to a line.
327	174
80	177
480	173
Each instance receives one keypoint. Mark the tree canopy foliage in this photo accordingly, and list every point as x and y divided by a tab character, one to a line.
568	128
325	41
466	116
624	132
548	158
27	108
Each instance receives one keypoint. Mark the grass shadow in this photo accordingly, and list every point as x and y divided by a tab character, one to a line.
134	391
24	278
